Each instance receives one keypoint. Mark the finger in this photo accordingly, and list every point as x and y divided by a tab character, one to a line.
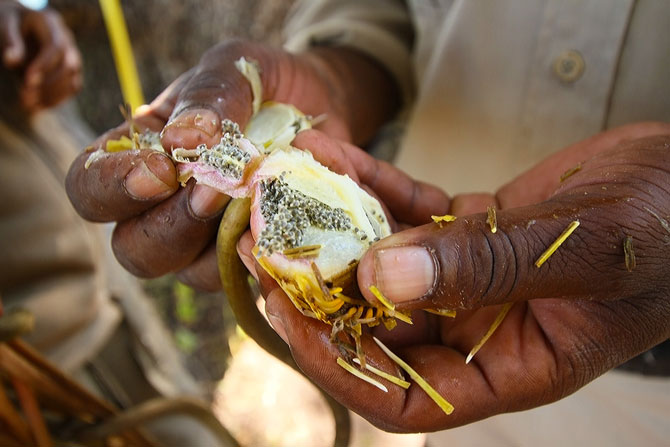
52	39
464	264
538	183
327	151
397	409
120	185
116	186
58	85
408	200
216	90
203	273
244	248
171	235
465	204
11	41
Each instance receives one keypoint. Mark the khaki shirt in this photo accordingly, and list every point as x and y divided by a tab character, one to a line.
50	261
494	87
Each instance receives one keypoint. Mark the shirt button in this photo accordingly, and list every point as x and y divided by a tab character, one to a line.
569	66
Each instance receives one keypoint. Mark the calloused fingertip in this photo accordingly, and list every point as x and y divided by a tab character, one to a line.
147	180
192	127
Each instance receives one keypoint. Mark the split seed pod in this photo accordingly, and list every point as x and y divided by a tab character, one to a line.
311	225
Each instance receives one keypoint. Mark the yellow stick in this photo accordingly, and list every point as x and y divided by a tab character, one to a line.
445	218
391	378
442	312
557	243
501	316
425	386
382	299
123	53
343	363
491	218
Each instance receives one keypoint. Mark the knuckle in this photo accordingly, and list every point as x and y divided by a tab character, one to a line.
492	261
231	49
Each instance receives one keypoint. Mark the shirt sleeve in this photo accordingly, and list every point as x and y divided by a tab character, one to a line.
382	29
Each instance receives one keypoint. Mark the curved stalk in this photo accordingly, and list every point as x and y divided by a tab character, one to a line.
243	303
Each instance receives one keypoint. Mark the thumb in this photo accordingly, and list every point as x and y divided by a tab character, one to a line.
464	265
619	199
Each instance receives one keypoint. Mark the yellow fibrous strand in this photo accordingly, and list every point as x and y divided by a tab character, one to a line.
629	253
306	251
360	375
122	144
570	171
313	298
383	374
501	316
389	305
557	243
251	72
445	218
442	312
382	299
432	393
492	219
123	53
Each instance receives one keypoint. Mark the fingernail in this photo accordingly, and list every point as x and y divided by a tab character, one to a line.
404	273
206	202
142	183
278	326
192	127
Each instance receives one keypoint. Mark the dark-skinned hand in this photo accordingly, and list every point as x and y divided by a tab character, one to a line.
580	314
165	228
38	46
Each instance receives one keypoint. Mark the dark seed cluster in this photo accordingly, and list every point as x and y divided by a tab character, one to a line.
231	131
288	213
226	155
149	140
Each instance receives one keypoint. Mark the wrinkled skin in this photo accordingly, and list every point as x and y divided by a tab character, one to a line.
139	189
594	314
41	50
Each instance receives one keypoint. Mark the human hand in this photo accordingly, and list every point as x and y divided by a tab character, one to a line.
163	228
38	44
583	312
